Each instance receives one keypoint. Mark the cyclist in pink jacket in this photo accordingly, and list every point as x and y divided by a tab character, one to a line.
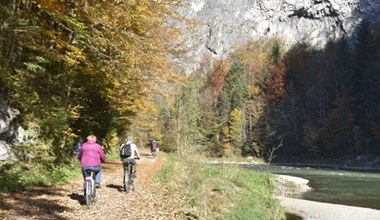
91	155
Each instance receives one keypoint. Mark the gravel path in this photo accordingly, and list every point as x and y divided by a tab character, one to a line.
66	202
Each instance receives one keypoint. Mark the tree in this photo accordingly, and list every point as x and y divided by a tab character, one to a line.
182	130
361	86
74	69
232	96
336	132
236	130
275	86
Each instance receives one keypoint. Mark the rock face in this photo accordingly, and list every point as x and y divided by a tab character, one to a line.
223	24
9	129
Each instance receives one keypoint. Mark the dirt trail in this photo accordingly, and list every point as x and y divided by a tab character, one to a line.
66	202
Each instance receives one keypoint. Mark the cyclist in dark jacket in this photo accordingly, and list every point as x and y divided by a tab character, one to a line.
78	146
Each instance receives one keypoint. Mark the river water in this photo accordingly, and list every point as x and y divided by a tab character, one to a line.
335	186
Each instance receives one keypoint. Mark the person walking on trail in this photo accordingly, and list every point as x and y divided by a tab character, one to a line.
128	153
91	155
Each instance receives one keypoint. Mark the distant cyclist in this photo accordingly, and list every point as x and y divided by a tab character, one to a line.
91	155
153	147
128	152
78	146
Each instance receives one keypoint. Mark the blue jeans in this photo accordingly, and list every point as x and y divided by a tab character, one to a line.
98	173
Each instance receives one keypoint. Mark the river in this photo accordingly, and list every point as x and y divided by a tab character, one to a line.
335	186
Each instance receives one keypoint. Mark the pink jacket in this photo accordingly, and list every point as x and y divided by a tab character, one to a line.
91	154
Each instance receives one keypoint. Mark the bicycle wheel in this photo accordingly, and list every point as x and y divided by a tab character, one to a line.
94	192
131	179
154	154
131	183
88	194
126	180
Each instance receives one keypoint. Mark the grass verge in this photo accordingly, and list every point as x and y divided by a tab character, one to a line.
205	191
18	176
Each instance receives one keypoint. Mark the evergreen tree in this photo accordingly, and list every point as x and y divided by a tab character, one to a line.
336	133
360	76
233	96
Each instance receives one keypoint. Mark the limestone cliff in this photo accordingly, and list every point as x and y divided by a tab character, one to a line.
223	24
10	131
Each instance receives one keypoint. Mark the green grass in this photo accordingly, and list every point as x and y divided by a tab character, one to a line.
218	191
18	176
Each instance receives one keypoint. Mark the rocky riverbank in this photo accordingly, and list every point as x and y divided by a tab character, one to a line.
288	186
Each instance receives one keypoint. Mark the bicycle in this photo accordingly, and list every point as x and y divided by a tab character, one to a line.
128	177
90	189
154	153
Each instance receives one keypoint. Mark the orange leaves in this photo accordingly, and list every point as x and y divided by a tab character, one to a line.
219	74
276	84
48	5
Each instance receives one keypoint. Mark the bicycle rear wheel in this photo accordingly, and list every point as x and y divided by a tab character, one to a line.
94	192
126	180
154	154
88	194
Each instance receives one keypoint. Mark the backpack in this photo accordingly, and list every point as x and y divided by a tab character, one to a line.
125	151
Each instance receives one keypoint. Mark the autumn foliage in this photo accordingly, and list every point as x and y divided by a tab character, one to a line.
275	86
80	67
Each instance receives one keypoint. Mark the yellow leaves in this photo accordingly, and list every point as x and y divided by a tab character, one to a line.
102	52
73	112
255	58
227	149
139	105
68	132
72	56
236	126
67	59
253	90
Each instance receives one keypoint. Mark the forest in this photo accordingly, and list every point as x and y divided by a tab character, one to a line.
302	102
74	68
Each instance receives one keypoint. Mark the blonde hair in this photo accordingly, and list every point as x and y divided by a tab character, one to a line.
91	137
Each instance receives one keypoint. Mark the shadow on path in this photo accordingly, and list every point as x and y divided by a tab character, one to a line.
118	187
34	202
77	197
